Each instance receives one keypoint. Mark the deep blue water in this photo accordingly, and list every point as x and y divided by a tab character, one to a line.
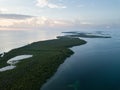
94	66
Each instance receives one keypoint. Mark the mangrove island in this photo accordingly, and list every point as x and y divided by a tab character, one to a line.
44	57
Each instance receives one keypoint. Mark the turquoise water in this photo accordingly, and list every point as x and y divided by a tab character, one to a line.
94	66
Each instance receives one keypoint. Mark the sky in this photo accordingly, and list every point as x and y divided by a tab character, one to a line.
31	14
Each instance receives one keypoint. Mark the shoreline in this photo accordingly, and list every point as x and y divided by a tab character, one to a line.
32	73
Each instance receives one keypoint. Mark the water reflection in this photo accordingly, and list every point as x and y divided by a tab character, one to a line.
13	39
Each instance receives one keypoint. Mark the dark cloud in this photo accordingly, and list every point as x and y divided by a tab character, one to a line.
14	16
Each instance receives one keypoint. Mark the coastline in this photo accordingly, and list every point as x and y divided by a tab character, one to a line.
32	73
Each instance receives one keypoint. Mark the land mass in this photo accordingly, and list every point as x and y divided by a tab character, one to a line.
32	73
84	35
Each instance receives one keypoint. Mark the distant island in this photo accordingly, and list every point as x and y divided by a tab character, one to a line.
84	35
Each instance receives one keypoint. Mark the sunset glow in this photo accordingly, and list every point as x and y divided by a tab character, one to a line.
59	13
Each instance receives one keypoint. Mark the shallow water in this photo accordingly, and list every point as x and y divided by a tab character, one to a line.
13	61
7	68
16	59
94	66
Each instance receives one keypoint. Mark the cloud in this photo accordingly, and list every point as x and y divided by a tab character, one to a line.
42	3
38	22
3	10
55	6
14	16
29	22
46	3
33	22
5	22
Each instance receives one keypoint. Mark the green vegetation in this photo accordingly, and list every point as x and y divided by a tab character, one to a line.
32	73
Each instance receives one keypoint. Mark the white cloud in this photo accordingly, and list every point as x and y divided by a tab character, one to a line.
46	3
55	6
3	10
42	3
40	22
33	22
5	22
29	22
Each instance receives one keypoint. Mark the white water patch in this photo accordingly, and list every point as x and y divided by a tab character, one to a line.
13	61
18	58
2	54
7	68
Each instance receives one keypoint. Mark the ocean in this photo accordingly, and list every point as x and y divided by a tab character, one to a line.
94	66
